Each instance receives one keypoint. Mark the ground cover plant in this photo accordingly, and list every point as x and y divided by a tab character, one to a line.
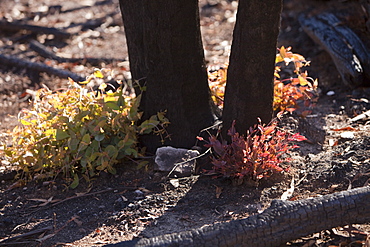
77	131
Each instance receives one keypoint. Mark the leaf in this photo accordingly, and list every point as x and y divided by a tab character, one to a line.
289	192
17	184
84	142
73	143
148	125
302	80
135	108
61	134
98	73
111	151
86	139
103	86
75	182
26	123
218	191
86	81
112	105
51	133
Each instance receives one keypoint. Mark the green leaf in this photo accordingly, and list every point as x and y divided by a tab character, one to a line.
121	101
75	182
86	140
112	105
142	164
131	152
111	170
61	134
111	151
148	125
135	108
73	143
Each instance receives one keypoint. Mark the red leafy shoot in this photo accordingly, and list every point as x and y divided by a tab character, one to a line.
257	155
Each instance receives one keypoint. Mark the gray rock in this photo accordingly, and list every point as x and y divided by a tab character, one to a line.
168	157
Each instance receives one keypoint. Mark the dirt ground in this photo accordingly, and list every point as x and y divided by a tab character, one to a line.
134	203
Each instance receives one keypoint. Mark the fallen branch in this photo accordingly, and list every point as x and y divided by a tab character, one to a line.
13	26
39	67
283	221
44	52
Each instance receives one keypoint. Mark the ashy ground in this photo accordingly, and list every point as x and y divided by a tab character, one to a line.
135	203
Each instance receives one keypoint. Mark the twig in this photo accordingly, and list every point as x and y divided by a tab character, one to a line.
12	26
82	195
37	231
44	52
186	161
78	196
40	67
363	116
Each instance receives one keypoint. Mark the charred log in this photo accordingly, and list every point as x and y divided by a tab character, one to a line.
350	55
281	222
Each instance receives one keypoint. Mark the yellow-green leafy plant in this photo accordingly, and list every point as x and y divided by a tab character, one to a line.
79	132
290	91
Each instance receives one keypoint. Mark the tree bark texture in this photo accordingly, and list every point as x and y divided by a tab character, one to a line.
249	88
349	53
281	222
165	48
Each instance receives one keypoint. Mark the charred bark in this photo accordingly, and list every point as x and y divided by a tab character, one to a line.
349	54
249	88
281	222
165	48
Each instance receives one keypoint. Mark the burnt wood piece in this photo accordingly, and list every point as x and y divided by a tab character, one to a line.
44	52
15	27
39	67
348	52
281	222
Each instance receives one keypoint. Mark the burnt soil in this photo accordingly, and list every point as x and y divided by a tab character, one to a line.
138	203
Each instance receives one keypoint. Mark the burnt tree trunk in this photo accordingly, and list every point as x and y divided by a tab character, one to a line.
132	15
249	88
165	48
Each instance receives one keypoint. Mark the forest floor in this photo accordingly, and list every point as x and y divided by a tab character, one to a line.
134	203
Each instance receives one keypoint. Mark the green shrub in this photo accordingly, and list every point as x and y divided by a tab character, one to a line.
78	132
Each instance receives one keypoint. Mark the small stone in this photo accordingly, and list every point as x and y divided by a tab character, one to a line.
330	93
178	160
